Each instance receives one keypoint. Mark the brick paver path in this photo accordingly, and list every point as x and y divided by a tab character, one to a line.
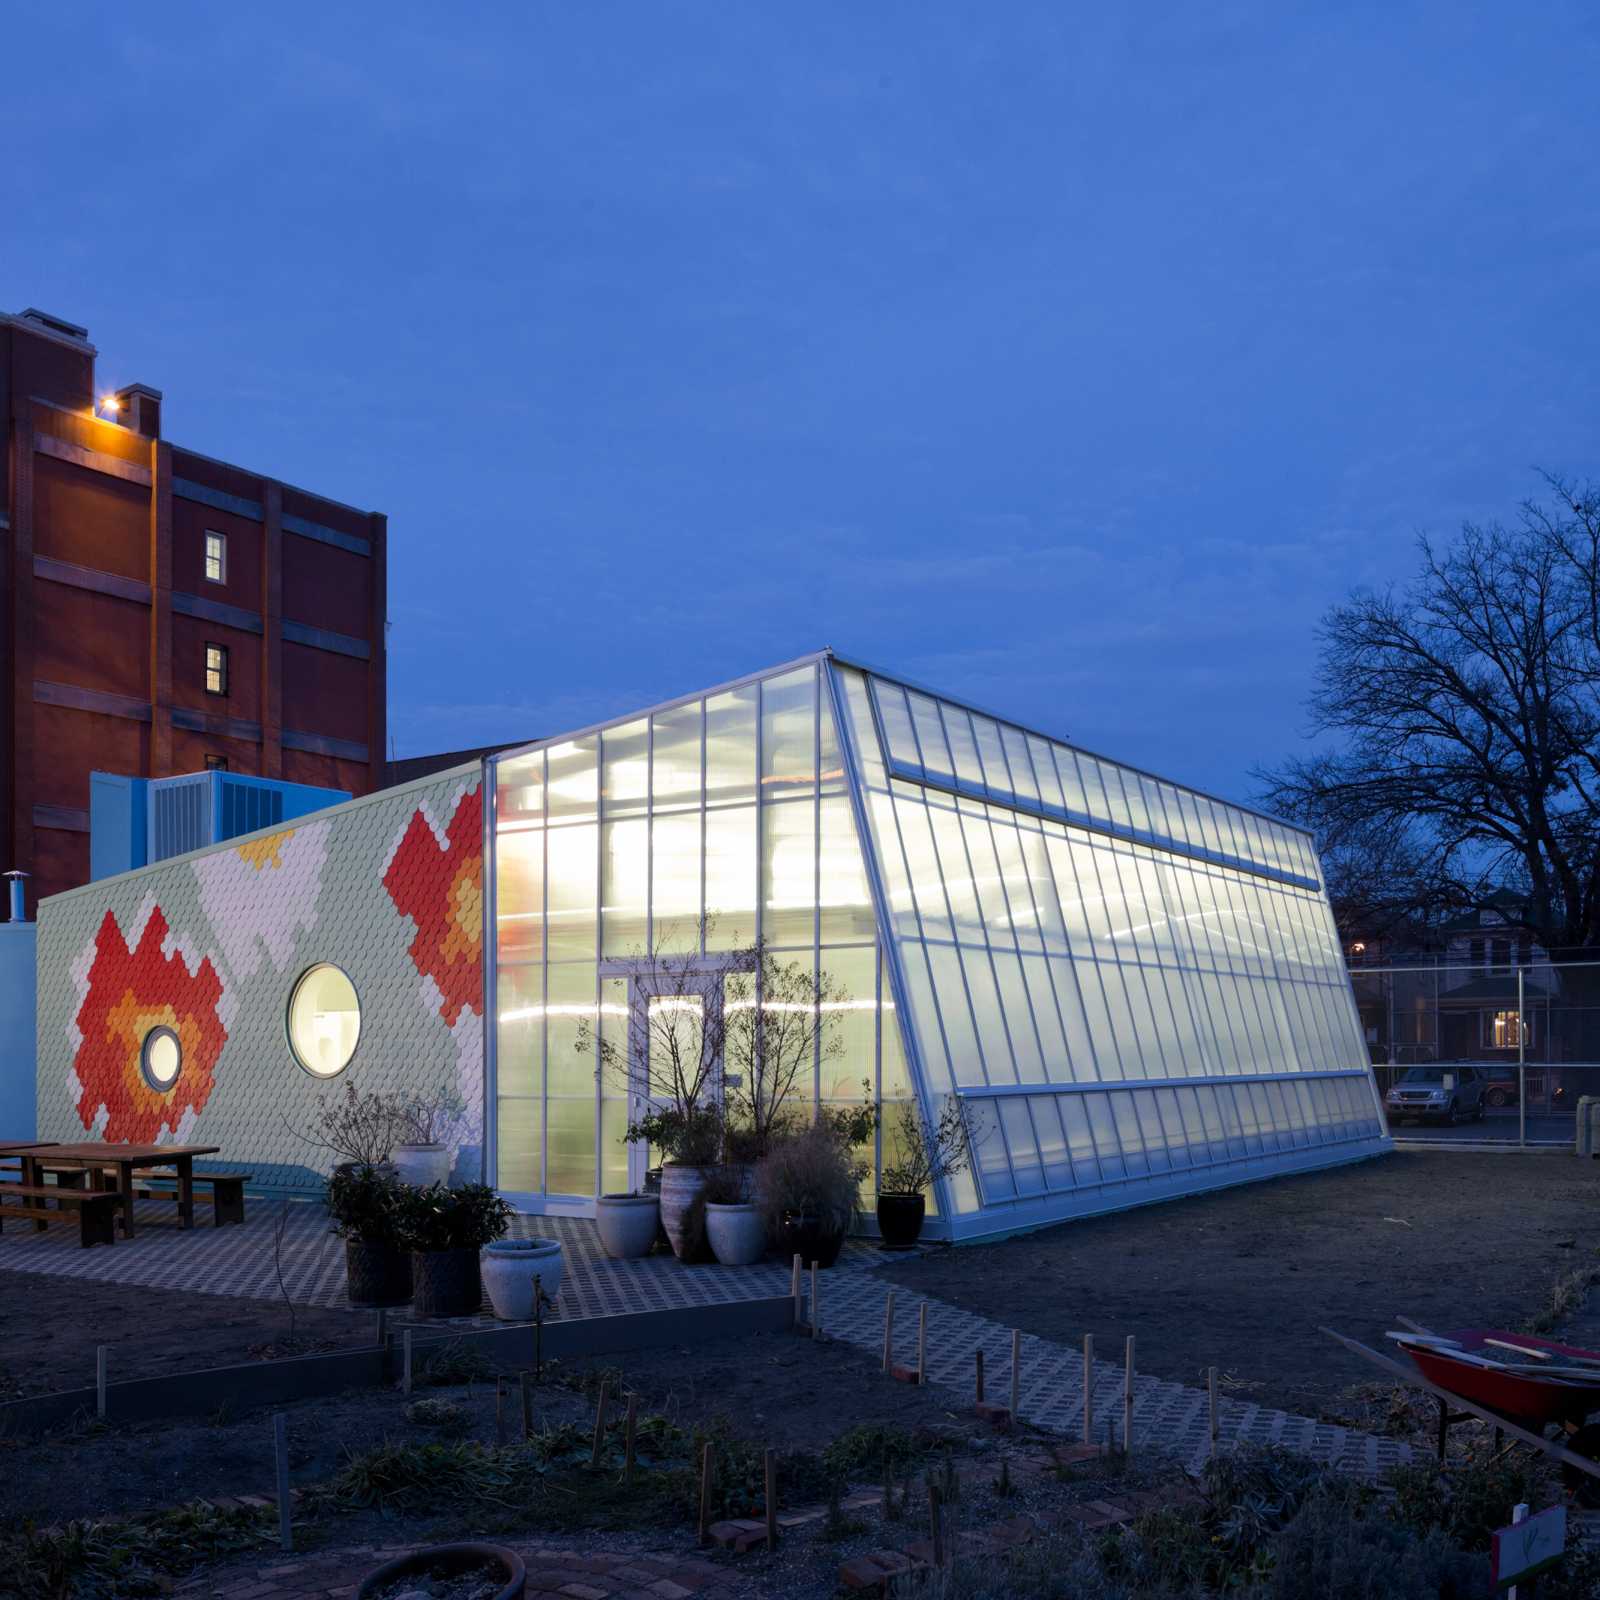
239	1261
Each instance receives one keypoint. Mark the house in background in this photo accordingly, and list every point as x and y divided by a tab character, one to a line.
165	613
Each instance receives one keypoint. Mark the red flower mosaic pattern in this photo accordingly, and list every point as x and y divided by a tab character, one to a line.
129	993
441	889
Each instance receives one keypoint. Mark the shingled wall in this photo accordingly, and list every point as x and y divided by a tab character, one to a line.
389	888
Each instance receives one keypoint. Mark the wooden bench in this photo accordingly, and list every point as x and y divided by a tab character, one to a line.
96	1208
226	1198
222	1191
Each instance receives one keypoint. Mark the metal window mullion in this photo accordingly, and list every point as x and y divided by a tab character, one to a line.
600	820
889	940
490	789
816	886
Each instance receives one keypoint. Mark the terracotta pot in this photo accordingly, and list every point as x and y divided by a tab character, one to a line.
738	1233
451	1558
680	1189
628	1224
376	1274
805	1235
446	1283
900	1218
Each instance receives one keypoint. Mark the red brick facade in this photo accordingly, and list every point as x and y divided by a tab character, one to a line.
107	610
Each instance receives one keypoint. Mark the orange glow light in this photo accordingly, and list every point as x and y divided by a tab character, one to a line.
110	403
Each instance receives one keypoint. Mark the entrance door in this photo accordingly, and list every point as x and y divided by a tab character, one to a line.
674	1041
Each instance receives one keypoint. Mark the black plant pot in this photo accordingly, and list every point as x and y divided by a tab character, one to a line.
900	1219
451	1558
804	1234
445	1283
376	1274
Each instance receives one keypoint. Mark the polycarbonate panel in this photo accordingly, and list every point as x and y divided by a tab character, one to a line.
1090	965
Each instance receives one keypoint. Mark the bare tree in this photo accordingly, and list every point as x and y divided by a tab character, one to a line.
1467	706
776	1037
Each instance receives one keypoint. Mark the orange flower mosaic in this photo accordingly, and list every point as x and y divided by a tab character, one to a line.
439	885
129	993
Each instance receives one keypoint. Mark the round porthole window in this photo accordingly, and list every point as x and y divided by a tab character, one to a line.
161	1059
324	1020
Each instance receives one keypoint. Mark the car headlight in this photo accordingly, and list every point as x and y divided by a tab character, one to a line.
1436	1094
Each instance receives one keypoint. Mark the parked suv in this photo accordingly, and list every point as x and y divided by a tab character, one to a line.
1437	1093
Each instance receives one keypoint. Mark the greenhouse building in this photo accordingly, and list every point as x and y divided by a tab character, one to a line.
1130	990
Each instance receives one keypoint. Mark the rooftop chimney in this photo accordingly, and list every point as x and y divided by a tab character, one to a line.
140	409
69	330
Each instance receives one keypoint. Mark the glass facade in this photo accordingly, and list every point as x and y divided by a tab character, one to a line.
1132	989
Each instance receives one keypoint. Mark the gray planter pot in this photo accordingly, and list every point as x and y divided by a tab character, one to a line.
627	1224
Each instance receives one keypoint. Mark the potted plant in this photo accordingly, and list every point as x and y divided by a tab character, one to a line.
510	1268
735	1226
443	1564
808	1184
431	1123
358	1129
924	1158
445	1229
364	1202
690	1142
627	1224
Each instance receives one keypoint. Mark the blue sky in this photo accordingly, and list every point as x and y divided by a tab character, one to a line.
1072	362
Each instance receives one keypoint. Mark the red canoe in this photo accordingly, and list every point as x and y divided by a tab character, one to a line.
1516	1387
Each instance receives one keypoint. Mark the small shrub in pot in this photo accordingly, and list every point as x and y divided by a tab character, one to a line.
735	1226
445	1229
925	1157
364	1203
808	1183
432	1123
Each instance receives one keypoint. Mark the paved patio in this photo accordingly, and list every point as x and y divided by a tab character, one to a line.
241	1261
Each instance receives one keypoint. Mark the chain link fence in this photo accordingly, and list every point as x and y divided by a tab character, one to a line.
1483	1051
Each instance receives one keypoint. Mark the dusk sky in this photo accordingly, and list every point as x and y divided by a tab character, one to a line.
1071	359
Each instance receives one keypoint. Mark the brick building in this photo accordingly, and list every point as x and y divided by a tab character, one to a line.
164	612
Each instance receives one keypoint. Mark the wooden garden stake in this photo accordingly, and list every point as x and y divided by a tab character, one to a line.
816	1305
922	1343
1016	1374
599	1426
1211	1389
1127	1400
405	1360
526	1379
1088	1388
705	1489
100	1359
383	1326
770	1467
888	1331
629	1432
980	1374
500	1410
794	1289
280	1448
936	1524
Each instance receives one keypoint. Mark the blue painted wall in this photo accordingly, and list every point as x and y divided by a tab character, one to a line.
18	1077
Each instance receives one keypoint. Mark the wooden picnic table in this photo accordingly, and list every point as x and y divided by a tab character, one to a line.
126	1159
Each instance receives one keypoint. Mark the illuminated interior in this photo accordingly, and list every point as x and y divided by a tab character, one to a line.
1131	989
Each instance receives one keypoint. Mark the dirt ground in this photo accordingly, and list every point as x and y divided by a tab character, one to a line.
1242	1279
49	1328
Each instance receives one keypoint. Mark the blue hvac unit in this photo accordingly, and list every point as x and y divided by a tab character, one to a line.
134	821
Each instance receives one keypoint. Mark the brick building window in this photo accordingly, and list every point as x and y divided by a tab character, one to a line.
216	763
216	557
216	669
